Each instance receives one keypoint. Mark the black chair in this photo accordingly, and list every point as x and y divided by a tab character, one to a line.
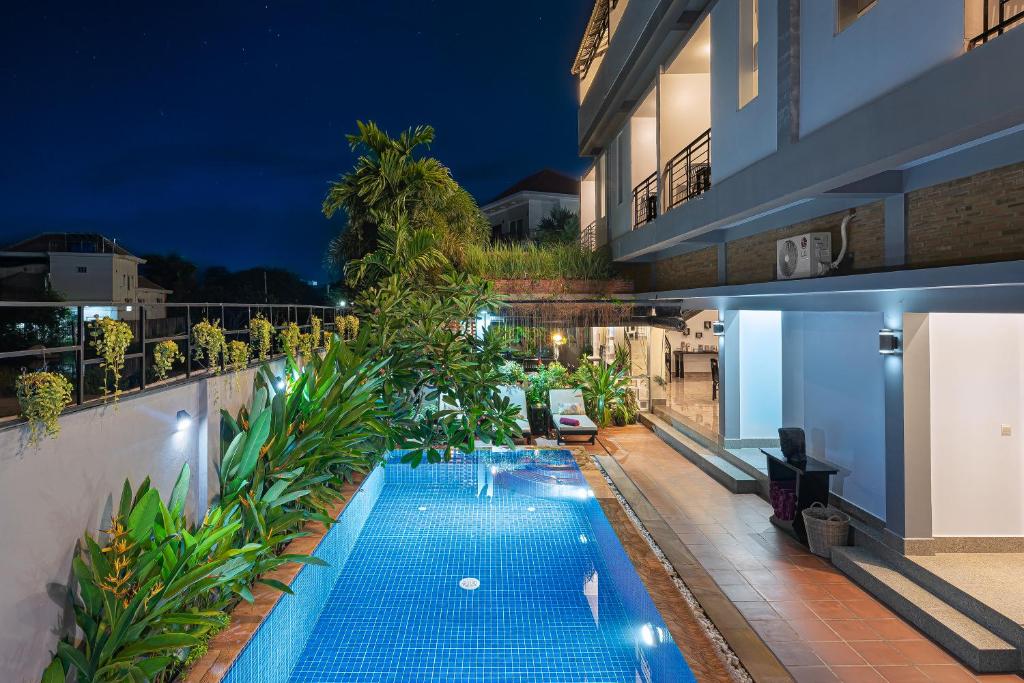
714	379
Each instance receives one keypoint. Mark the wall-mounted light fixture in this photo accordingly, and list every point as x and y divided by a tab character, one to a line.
341	303
557	338
889	342
128	308
184	420
718	328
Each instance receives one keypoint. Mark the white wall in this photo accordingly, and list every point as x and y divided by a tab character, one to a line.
740	137
751	357
643	150
620	214
95	284
890	44
833	386
684	111
977	386
50	496
588	198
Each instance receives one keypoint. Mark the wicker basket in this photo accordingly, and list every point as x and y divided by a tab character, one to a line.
826	527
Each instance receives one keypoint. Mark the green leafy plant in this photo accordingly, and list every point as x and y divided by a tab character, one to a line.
351	327
111	339
316	325
288	339
528	261
237	355
260	333
209	340
42	397
606	393
512	373
164	356
552	376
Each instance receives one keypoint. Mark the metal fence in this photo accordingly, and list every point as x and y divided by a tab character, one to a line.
645	201
688	173
56	337
588	237
998	16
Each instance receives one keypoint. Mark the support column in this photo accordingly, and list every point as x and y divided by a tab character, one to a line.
908	494
789	73
896	230
723	265
729	376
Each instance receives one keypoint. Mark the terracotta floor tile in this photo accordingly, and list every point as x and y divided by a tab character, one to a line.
775	631
947	673
879	653
727	577
778	593
846	591
902	674
854	629
858	674
793	609
812	674
837	654
869	609
923	652
893	629
756	610
795	654
813	630
814	591
741	592
830	609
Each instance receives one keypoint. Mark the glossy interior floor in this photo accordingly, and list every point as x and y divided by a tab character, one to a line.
690	397
818	623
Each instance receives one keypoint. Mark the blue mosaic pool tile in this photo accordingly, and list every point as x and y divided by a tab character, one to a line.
557	599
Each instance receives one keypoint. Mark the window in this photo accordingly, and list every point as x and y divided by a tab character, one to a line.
748	51
849	11
83	269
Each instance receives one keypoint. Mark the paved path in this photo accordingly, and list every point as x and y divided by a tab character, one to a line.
819	624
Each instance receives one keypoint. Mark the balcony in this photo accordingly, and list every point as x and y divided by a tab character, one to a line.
588	237
688	173
997	17
645	201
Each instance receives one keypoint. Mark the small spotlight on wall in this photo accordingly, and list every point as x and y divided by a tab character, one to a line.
557	338
128	308
889	342
341	303
279	384
184	420
718	328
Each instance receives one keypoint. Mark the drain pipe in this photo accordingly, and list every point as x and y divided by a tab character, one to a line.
842	230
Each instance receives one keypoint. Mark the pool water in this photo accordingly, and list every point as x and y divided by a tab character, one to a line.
495	567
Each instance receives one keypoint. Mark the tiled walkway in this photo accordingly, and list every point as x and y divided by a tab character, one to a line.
819	624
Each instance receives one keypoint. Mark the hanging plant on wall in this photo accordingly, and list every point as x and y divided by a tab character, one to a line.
42	396
260	333
306	344
350	327
111	339
209	340
238	355
315	326
288	339
165	354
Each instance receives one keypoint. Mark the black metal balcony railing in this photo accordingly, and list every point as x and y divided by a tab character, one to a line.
688	173
588	237
55	337
645	201
998	17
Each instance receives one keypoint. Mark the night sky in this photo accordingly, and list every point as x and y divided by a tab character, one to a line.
212	129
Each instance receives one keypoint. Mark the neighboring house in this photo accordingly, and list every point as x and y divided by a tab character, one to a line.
515	213
719	129
83	267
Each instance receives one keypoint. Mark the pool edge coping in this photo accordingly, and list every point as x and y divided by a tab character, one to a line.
246	618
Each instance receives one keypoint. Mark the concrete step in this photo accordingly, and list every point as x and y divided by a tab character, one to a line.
740	459
972	643
715	466
1000	624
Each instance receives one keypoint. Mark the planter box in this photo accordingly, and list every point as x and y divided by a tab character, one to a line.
615	286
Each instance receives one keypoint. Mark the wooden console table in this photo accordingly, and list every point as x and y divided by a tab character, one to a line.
810	482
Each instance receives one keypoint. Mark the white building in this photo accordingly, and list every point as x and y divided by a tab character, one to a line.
719	129
77	267
515	213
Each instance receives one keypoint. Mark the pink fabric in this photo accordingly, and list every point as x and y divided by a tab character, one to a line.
570	421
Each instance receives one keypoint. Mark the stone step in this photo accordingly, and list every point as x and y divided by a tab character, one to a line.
1000	624
715	466
736	459
972	643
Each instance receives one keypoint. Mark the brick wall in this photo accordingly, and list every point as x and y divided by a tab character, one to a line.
970	220
686	271
752	259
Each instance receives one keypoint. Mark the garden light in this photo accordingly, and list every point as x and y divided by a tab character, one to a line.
557	338
184	420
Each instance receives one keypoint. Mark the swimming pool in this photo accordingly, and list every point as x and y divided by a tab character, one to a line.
494	567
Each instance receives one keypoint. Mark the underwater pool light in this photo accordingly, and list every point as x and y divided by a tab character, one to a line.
647	635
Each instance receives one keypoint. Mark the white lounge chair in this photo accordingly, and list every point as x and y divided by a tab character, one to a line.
517	397
568	403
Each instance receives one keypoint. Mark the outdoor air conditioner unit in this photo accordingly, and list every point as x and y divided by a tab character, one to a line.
808	255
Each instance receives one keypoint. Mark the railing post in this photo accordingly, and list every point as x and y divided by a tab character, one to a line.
188	340
80	370
142	340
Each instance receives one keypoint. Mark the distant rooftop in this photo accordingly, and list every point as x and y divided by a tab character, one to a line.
543	181
74	242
